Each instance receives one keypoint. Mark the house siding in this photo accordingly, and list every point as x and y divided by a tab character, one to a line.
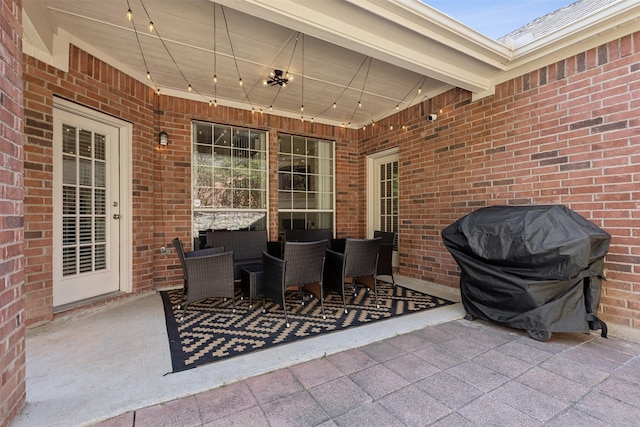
568	133
12	298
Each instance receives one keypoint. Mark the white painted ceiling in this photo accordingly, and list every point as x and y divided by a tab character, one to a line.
383	54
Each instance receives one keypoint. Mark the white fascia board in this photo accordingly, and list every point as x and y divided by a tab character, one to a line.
419	17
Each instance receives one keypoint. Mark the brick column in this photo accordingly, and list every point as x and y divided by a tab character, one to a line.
12	301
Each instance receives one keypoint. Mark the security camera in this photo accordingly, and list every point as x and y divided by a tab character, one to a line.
432	117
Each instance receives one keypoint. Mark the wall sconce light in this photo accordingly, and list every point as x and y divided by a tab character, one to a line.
163	138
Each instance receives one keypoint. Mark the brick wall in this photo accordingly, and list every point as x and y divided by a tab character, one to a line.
161	176
12	301
568	133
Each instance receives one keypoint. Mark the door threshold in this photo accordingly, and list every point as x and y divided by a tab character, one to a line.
88	302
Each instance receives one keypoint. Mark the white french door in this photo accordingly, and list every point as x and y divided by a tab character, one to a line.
382	194
86	259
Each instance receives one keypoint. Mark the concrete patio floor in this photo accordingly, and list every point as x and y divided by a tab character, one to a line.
110	368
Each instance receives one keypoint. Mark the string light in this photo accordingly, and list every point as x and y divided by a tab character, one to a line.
359	104
240	82
334	105
151	26
190	88
129	14
148	75
215	78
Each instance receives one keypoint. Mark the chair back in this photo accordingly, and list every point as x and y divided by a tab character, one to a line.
244	244
361	257
180	251
310	235
304	262
388	237
177	243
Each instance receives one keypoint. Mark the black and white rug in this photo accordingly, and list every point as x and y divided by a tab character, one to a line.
211	331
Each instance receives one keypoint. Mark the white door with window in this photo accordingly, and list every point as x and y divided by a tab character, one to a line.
382	194
86	238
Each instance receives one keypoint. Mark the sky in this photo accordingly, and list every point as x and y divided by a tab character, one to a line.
497	18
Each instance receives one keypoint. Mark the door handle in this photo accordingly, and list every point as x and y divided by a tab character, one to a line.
116	216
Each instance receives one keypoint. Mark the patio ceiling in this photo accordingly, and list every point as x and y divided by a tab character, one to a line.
377	53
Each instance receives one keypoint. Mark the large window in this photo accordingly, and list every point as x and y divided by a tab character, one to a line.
229	178
305	183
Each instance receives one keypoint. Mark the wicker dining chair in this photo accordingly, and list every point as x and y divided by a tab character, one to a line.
302	265
359	261
208	273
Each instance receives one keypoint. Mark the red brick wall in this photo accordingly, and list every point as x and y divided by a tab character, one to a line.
94	84
568	133
12	300
161	175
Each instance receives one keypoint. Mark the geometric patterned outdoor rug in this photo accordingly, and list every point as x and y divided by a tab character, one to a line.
211	332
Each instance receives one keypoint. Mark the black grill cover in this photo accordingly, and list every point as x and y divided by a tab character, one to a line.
537	268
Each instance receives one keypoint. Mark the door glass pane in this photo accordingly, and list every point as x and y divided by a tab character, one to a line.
83	200
388	203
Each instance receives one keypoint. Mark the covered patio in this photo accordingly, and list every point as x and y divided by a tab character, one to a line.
385	90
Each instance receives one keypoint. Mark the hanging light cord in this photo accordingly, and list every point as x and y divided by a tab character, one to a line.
288	67
233	53
144	60
362	91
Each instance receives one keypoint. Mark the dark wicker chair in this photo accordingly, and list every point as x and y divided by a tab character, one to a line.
385	260
208	273
302	265
359	261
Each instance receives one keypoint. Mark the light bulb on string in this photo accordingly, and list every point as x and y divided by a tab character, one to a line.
190	88
359	104
240	82
148	75
270	107
129	14
397	107
301	108
215	102
151	26
210	103
215	78
334	105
